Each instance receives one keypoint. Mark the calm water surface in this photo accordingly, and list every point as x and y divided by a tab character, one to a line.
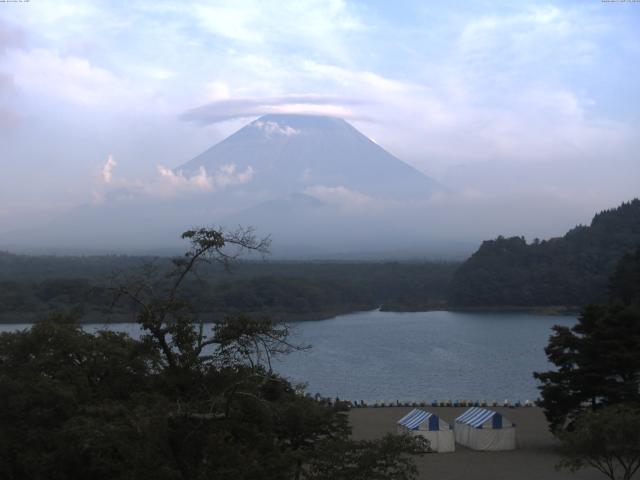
416	356
423	356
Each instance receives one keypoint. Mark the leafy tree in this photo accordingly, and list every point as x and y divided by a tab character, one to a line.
180	403
607	439
598	359
67	402
367	460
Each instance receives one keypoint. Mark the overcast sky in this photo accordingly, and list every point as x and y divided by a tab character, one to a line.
537	100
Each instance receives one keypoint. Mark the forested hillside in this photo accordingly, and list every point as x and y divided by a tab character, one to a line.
32	286
568	271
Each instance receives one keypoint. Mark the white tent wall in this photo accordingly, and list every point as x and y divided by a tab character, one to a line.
440	440
494	433
461	433
488	439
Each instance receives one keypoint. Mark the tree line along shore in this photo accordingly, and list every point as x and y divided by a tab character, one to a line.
555	276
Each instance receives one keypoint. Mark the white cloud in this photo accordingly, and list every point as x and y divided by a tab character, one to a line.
227	175
107	170
233	23
274	128
176	181
535	35
152	72
105	181
510	29
169	182
172	183
218	90
72	78
351	77
320	25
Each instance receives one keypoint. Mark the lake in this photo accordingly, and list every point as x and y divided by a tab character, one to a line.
428	356
423	356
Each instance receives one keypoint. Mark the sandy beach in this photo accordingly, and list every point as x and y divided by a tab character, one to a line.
534	458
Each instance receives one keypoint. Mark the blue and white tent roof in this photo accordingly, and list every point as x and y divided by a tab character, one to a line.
477	417
417	417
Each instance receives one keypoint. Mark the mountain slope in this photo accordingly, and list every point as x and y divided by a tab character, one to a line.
292	153
572	270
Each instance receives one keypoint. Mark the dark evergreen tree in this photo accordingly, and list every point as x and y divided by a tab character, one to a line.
597	360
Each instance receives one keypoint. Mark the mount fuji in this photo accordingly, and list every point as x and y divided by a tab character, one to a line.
288	154
300	178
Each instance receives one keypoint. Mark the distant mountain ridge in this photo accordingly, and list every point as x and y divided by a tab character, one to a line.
572	270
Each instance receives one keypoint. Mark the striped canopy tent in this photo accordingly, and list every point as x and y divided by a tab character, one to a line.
428	425
482	429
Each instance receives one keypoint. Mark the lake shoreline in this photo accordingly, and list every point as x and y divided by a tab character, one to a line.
374	356
98	318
